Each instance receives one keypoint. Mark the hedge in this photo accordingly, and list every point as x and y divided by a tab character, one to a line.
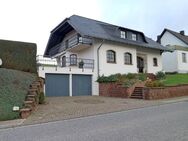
18	55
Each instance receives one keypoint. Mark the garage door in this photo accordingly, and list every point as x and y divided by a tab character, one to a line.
57	85
81	85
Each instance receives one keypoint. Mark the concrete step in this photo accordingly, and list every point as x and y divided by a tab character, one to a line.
137	97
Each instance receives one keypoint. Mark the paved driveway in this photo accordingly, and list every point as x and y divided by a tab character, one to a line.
60	108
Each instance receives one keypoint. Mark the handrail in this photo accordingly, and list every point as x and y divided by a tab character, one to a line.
67	62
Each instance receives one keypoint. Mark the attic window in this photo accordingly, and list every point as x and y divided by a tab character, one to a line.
134	37
122	33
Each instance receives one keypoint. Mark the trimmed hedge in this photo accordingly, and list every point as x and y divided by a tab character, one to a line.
18	55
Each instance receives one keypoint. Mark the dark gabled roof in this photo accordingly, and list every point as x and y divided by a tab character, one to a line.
183	38
96	29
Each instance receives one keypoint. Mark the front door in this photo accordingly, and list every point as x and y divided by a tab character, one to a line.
140	64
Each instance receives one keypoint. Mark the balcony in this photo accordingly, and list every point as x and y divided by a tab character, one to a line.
73	44
77	62
70	62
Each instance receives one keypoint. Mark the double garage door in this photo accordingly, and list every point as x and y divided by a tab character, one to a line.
64	85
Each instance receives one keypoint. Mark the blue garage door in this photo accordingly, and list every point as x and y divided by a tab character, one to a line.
81	85
57	85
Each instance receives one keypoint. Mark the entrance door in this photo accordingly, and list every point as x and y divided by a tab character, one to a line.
140	64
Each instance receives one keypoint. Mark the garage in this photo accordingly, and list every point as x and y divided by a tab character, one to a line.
59	85
81	85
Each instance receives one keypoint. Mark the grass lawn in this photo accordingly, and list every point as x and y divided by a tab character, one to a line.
13	89
175	79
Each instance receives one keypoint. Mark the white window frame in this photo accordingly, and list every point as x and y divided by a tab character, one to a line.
184	57
134	37
123	34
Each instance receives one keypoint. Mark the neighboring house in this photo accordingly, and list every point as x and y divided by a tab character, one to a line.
177	60
86	48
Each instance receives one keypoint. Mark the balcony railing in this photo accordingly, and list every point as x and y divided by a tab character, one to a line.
69	43
41	61
77	62
67	62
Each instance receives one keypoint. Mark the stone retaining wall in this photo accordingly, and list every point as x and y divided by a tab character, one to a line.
117	90
165	92
32	98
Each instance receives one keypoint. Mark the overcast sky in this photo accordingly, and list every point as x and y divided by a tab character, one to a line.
32	20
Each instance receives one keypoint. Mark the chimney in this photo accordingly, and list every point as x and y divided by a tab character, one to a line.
158	38
182	32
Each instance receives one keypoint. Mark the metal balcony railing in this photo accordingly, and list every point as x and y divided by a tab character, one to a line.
66	62
77	62
69	43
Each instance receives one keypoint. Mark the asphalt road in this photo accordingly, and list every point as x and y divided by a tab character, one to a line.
159	123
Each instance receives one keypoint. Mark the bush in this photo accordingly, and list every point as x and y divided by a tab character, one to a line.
18	55
131	76
107	79
154	84
121	78
129	83
142	77
41	98
160	75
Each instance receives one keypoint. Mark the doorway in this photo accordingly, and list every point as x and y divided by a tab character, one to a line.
140	64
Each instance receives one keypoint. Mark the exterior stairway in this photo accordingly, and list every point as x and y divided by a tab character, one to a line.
137	94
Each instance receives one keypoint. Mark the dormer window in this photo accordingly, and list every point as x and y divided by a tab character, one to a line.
134	37
122	34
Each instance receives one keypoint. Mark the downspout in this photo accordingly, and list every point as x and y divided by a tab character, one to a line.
98	57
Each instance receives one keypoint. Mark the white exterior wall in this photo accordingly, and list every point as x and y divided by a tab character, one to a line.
150	54
173	61
119	66
182	66
170	61
42	70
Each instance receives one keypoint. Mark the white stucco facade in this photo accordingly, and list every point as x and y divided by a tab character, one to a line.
172	61
98	52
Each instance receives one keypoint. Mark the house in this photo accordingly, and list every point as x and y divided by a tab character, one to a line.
177	60
85	49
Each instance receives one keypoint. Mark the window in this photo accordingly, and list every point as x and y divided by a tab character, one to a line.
66	43
111	56
134	37
80	39
184	58
73	59
128	58
155	63
122	34
64	61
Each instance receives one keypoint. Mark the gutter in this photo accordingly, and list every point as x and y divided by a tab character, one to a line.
98	56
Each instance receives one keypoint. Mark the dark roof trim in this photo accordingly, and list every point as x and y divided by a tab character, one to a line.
59	25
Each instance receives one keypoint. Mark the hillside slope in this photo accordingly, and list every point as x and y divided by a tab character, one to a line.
13	89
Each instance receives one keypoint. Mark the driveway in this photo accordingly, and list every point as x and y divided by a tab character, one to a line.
61	108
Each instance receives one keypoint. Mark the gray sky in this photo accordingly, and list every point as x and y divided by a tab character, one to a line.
32	20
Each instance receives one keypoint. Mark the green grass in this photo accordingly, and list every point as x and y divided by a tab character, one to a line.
175	79
13	89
